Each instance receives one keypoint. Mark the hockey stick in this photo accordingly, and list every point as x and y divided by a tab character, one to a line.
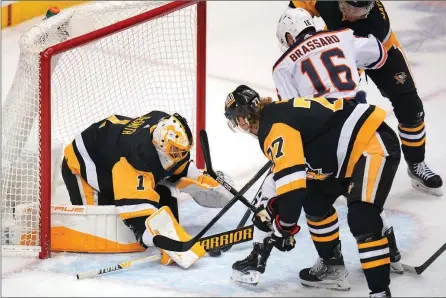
228	238
420	269
247	214
209	243
117	267
164	242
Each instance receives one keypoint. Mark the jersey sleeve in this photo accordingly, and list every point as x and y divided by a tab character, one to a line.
309	6
135	196
369	52
284	82
283	146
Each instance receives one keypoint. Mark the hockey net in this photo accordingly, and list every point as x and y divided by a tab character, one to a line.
78	67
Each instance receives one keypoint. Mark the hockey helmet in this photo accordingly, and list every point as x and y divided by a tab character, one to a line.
293	21
173	139
242	102
356	9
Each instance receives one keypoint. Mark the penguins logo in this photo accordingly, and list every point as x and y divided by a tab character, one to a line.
316	174
400	78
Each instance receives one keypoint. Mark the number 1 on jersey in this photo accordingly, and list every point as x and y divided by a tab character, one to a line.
140	183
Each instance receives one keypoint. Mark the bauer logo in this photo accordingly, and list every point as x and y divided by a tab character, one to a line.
227	238
69	209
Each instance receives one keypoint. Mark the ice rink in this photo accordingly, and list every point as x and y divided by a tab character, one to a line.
242	49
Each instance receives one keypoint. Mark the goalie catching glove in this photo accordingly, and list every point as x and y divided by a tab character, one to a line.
206	191
282	234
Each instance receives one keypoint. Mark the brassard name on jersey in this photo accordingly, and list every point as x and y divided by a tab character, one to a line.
313	44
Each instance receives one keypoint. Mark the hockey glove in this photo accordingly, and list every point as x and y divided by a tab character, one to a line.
283	236
262	219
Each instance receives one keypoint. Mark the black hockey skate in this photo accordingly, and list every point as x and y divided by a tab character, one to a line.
385	293
395	256
424	179
248	270
327	273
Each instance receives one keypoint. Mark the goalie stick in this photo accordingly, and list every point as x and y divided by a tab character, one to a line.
164	242
420	269
209	243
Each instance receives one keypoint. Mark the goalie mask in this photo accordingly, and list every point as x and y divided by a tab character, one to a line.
242	102
173	140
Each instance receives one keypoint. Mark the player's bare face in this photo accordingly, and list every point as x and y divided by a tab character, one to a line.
246	127
243	124
289	39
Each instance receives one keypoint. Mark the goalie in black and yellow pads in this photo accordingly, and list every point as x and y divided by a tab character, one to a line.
321	148
140	165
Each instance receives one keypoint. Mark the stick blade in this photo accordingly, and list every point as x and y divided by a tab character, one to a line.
167	243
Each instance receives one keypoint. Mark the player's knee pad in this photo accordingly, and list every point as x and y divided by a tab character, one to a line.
408	109
364	220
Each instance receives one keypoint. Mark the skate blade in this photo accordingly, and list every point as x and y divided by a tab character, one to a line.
420	186
341	285
250	277
396	268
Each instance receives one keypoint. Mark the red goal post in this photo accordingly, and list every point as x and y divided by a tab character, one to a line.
171	75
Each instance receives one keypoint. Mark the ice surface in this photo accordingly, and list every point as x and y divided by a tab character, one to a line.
241	50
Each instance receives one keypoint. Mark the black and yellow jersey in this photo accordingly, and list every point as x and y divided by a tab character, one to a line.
119	149
376	23
314	138
116	157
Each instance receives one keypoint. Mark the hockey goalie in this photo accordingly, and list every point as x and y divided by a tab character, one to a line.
124	177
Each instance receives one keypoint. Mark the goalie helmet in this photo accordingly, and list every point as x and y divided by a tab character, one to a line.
173	139
293	21
242	102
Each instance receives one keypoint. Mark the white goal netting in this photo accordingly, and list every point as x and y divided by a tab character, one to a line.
149	66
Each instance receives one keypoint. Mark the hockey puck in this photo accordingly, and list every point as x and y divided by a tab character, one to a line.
214	253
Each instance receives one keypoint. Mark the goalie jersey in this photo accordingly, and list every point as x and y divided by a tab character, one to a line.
325	64
119	165
313	139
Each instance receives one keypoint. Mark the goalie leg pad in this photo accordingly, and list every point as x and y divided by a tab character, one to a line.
164	223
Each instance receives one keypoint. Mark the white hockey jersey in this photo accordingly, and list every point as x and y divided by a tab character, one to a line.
326	64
